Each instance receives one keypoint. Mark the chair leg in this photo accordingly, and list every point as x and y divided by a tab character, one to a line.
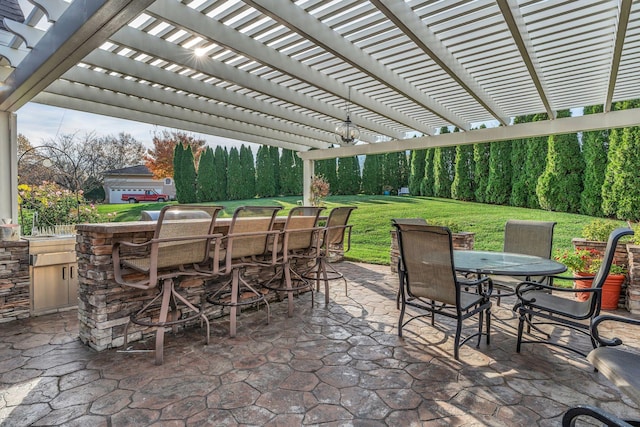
401	318
520	331
480	324
456	344
287	280
323	266
488	319
234	302
195	309
167	290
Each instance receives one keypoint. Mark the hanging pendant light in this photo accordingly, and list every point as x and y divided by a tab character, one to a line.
347	133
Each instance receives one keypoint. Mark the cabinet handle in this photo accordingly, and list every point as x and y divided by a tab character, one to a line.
64	270
71	272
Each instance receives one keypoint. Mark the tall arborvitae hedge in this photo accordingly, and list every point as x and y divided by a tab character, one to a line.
481	154
327	168
235	177
560	184
220	159
297	175
391	171
417	172
371	175
498	188
348	176
189	176
403	169
462	187
518	173
426	186
535	164
443	163
595	145
248	173
621	188
265	178
205	187
275	164
288	173
178	179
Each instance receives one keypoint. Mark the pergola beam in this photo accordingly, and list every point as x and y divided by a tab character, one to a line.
143	71
183	16
623	21
83	27
321	35
610	120
515	22
156	47
146	117
168	99
134	103
406	20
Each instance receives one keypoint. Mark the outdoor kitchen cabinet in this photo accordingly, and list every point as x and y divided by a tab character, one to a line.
54	276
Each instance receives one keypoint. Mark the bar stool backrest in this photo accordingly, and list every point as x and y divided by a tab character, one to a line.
336	225
257	220
305	219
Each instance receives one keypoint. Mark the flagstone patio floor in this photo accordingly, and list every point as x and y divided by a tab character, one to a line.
338	365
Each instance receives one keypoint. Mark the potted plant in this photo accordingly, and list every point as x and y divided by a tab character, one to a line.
584	264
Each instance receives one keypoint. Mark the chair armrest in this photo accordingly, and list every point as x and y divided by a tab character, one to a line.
569	418
478	282
527	286
609	318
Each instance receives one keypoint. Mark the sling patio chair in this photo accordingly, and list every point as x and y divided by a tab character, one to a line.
429	282
619	364
178	245
527	238
404	221
540	304
251	242
300	241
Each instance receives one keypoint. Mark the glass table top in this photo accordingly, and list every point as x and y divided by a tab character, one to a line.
504	263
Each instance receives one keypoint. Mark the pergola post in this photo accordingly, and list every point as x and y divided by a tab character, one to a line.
307	176
8	166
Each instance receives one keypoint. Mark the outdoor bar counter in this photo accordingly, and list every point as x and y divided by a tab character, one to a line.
104	306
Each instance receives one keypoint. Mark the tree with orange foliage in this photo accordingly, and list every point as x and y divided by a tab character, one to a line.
159	159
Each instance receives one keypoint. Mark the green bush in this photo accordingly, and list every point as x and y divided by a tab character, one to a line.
598	230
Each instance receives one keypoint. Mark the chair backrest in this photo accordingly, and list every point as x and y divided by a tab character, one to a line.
336	225
609	254
426	252
250	219
304	218
409	221
529	237
179	221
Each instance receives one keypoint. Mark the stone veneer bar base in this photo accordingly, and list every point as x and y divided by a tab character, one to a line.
104	306
14	280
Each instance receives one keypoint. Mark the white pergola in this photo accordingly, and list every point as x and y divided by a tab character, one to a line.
283	72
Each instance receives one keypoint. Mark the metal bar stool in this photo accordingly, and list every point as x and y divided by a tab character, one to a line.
177	246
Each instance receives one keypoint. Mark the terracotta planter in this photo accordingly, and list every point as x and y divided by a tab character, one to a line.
582	284
610	290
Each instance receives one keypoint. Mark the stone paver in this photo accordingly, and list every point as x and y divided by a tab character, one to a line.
338	365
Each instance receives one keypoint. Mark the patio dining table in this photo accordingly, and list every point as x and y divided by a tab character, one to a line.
505	264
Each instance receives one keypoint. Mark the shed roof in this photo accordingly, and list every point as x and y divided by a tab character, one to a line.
131	170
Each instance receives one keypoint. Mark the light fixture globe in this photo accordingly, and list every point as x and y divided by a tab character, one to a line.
347	133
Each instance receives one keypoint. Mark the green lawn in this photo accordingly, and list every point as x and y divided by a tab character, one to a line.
372	220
